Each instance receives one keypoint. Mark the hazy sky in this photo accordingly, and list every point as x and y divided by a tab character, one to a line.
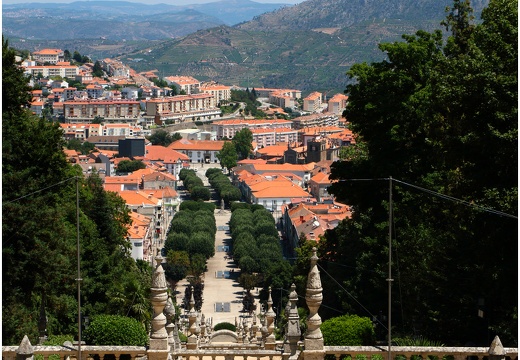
170	2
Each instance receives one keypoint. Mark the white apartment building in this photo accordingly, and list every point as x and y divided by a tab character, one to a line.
337	104
52	56
228	128
113	111
267	137
315	120
189	84
312	103
64	70
219	92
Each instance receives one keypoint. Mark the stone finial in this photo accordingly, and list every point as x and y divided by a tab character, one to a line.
496	350
169	310
25	351
192	317
293	333
158	297
314	297
270	316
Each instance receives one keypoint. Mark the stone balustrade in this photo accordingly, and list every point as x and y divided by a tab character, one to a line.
452	353
71	352
251	343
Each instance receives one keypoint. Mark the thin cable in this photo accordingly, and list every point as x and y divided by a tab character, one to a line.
352	296
451	198
37	191
322	305
442	196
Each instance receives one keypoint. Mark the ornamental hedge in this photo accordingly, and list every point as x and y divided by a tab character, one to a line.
115	330
348	330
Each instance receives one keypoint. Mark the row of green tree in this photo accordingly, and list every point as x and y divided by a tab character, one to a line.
189	244
223	186
194	185
441	117
257	252
42	222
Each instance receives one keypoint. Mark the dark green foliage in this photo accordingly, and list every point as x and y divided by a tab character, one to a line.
128	166
225	326
202	243
212	171
200	193
442	116
248	302
197	288
177	265
223	186
97	70
162	137
228	155
197	205
191	181
348	330
39	229
58	340
176	241
243	140
115	330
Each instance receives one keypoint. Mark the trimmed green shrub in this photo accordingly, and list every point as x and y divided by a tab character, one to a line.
115	330
348	330
200	193
225	326
58	340
197	205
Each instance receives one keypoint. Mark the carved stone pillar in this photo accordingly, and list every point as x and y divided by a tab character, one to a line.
313	297
192	317
158	337
270	341
293	333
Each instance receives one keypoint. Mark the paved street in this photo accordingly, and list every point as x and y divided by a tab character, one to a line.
222	293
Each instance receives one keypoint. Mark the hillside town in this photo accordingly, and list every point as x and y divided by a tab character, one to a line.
287	171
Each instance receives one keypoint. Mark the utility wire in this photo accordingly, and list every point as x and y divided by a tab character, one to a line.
322	305
37	191
352	296
442	196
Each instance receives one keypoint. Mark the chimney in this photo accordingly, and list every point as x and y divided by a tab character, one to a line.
301	219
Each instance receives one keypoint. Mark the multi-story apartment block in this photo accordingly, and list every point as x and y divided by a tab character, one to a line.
187	84
337	104
52	56
312	103
283	98
266	93
112	111
61	69
69	93
181	108
219	92
228	128
268	136
115	68
309	121
120	130
94	91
